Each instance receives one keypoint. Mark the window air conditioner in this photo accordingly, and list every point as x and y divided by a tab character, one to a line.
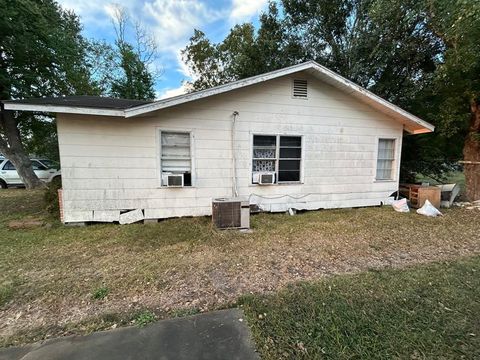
174	180
266	179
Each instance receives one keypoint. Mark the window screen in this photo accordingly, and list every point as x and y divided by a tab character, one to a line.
385	159
176	158
277	154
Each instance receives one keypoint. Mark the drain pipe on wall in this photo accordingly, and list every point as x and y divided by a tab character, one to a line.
234	161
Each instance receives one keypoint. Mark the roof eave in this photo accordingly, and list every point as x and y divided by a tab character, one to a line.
376	101
412	124
62	109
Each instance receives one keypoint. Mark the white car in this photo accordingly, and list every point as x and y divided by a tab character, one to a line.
46	170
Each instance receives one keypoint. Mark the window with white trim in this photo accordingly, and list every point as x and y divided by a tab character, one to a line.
279	155
385	159
175	156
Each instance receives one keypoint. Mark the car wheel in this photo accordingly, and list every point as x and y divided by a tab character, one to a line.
3	184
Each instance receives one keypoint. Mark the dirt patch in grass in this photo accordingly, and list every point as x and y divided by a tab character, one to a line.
185	265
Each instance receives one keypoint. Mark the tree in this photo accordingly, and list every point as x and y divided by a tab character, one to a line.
457	80
243	53
41	54
135	80
203	59
381	45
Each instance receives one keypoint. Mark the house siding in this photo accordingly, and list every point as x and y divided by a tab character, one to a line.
111	163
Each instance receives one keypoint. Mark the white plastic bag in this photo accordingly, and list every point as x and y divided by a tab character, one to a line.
401	205
429	210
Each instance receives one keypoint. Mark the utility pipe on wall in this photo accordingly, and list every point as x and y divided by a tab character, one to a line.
234	162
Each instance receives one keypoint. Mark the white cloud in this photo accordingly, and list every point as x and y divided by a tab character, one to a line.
174	20
167	93
244	10
95	14
111	10
182	67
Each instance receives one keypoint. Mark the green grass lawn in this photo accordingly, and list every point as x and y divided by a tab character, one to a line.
424	312
57	280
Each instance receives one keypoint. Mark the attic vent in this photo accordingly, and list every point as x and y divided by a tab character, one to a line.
300	88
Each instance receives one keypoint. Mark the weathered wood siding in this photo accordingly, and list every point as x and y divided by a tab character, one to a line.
113	163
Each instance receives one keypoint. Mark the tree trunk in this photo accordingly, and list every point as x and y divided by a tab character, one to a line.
11	146
471	154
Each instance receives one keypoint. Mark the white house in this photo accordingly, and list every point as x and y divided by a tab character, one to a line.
315	140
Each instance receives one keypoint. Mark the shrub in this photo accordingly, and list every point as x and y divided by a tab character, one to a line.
51	196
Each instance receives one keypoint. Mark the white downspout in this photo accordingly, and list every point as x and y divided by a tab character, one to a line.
234	161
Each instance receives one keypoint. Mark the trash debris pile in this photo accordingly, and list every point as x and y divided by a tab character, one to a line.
401	205
468	205
429	210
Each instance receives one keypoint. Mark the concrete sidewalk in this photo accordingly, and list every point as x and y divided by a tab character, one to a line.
215	335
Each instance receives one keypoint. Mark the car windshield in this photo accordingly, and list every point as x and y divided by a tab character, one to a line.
49	163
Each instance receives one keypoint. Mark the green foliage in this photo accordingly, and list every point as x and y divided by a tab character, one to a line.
101	59
126	69
457	79
136	81
100	293
39	135
144	317
41	54
243	53
42	51
50	196
372	43
426	312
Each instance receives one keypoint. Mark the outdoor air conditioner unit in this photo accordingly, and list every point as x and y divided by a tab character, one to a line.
174	180
231	213
266	178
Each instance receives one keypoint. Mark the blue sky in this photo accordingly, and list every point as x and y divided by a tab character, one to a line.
172	23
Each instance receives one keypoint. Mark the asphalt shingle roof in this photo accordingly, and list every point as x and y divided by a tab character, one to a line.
97	102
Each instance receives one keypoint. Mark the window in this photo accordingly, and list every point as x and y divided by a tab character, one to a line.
385	159
290	158
300	88
50	164
175	156
281	155
37	166
9	166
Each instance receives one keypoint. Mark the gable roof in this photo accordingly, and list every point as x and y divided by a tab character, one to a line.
412	123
